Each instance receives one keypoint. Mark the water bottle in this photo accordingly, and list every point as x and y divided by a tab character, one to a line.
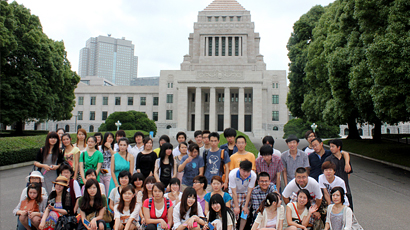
159	227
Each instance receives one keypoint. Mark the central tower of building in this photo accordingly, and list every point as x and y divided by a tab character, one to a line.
223	81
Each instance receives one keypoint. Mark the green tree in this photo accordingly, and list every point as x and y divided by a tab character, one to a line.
130	120
299	127
37	81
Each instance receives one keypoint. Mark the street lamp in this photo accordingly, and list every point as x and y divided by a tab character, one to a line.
118	124
314	126
75	128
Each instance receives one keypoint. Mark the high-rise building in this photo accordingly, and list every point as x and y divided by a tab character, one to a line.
109	58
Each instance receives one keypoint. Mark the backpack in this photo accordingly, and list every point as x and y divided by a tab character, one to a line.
150	203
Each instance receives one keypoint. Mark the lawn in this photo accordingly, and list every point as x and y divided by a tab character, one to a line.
250	147
383	150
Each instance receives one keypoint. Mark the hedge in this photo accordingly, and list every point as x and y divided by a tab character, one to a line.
15	150
250	147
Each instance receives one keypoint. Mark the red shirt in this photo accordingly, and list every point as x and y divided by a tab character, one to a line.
164	215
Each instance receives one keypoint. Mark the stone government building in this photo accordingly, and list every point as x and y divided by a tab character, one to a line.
222	82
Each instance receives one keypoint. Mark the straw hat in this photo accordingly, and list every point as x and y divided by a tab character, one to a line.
35	174
61	180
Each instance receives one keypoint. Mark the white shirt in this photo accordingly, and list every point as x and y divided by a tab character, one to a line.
114	195
176	151
134	214
312	186
337	182
179	197
309	150
177	217
235	181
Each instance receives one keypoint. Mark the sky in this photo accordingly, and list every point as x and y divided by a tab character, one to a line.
159	29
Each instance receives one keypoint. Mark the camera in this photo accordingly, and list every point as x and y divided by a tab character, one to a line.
52	202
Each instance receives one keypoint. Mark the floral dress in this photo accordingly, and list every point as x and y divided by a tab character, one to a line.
53	216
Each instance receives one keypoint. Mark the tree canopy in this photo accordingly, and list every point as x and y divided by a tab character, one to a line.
37	81
299	127
356	64
130	120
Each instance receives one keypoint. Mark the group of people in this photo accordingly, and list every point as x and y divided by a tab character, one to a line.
106	182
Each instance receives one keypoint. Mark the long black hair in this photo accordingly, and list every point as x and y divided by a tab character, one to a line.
271	198
183	209
225	212
106	135
162	153
85	204
56	148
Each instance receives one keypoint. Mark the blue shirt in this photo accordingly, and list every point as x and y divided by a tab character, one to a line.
191	169
225	147
316	162
213	164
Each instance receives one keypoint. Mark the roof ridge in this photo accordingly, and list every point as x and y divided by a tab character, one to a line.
225	5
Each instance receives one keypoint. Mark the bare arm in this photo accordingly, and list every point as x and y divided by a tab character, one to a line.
285	176
82	172
346	156
278	181
76	163
201	171
248	198
235	201
131	160
148	219
226	184
113	172
156	170
290	221
326	195
286	200
99	165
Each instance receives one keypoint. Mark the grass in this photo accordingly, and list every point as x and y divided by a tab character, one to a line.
383	150
250	147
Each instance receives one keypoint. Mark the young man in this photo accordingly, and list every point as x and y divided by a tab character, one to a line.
293	159
214	164
241	183
242	154
198	141
230	147
163	139
118	135
200	185
192	165
339	161
309	136
317	158
328	180
138	147
268	140
259	193
181	137
269	163
205	139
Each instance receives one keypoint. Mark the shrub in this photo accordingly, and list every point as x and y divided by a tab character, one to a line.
250	147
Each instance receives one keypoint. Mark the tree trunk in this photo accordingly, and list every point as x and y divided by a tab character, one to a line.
377	136
353	132
20	128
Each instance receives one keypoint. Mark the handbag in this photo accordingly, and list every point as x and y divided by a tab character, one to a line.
66	223
107	216
355	224
29	205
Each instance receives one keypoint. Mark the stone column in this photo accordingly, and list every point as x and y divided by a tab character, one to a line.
227	108
182	110
212	109
198	108
241	110
213	46
240	46
220	46
257	108
226	46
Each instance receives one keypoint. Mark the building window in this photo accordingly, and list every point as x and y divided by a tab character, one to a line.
216	19
239	18
92	115
143	101
275	99
236	97
170	85
209	19
250	97
223	45
130	101
92	101
277	85
155	116
232	97
169	126
104	115
80	115
155	101
117	100
275	128
193	97
80	100
170	98
206	97
229	46
236	46
275	115
216	46
224	18
67	128
231	18
105	100
78	127
169	115
91	129
246	97
209	46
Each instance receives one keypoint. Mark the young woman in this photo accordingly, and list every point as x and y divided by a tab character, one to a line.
48	160
174	195
92	174
298	213
192	165
90	159
158	209
81	140
122	160
270	213
32	207
220	216
183	148
216	183
200	184
34	177
334	217
107	149
146	159
126	211
99	137
59	204
92	207
60	132
165	167
137	180
187	213
146	194
71	153
124	179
